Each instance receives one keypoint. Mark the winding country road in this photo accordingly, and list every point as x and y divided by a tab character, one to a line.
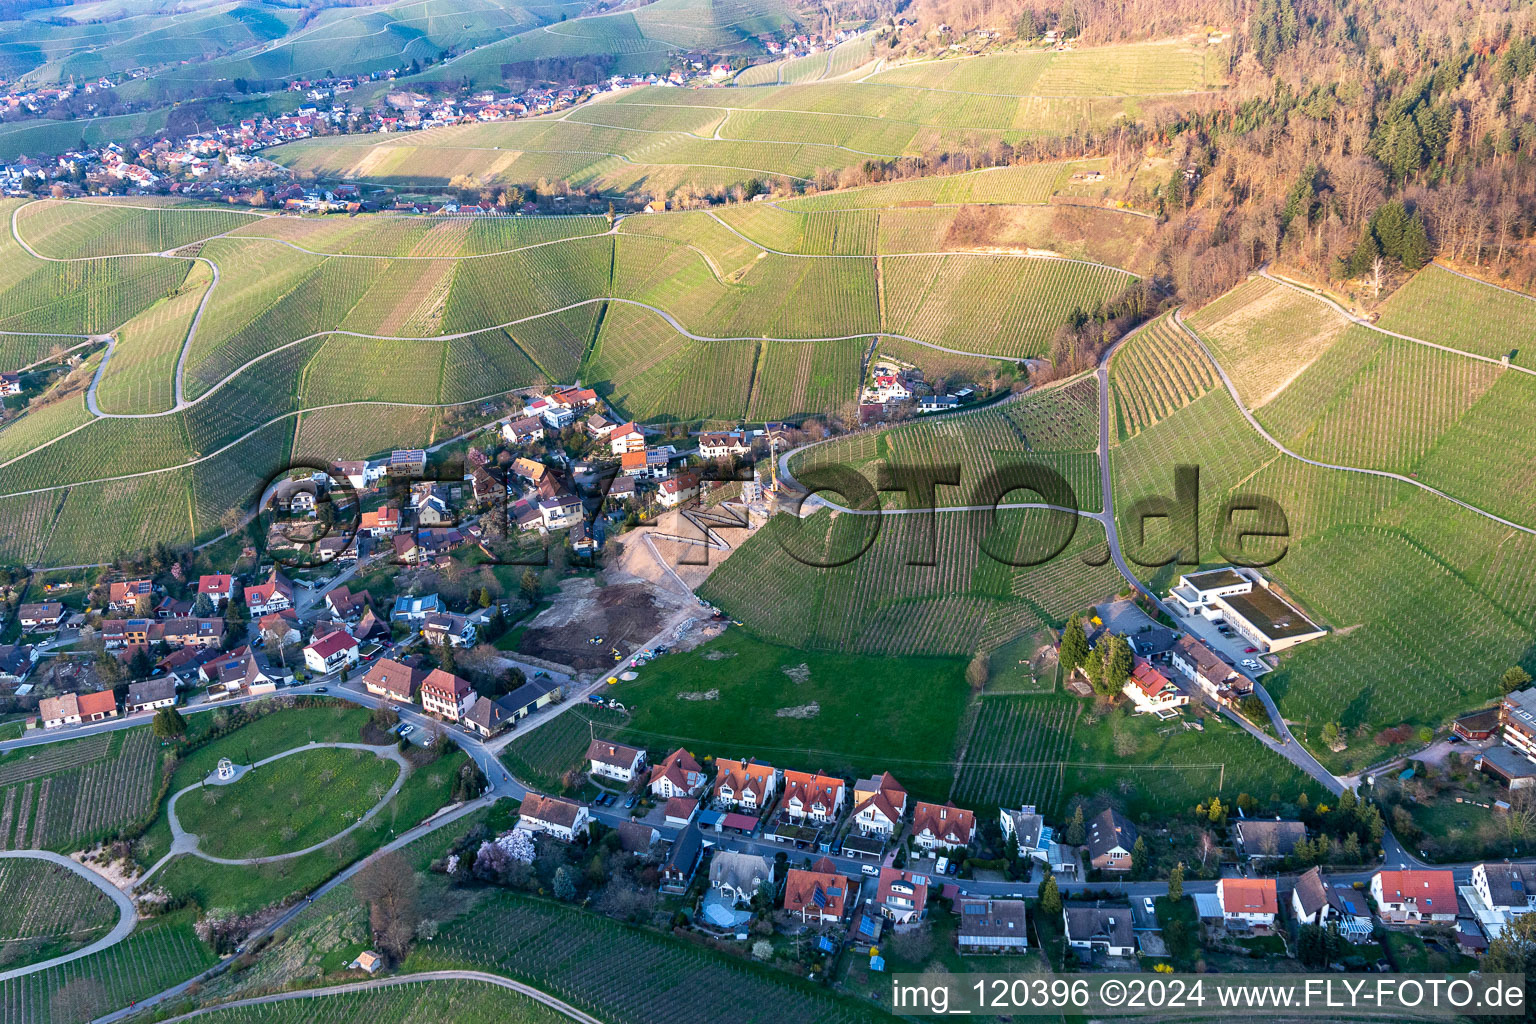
127	914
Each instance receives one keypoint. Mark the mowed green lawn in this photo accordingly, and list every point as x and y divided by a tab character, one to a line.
288	805
733	697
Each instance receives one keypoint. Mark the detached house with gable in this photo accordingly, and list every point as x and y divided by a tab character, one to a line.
818	895
1111	837
1340	907
331	652
1248	904
946	826
736	876
679	775
879	805
812	797
447	695
275	595
902	897
745	785
615	760
1415	897
559	818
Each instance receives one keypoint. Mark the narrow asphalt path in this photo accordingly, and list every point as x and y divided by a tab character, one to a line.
1266	435
394	981
183	841
1363	322
127	914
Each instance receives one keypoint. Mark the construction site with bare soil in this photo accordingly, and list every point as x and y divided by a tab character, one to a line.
644	597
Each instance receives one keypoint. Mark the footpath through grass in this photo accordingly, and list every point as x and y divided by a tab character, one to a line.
288	805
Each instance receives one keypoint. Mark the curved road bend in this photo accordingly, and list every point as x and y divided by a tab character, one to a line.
127	914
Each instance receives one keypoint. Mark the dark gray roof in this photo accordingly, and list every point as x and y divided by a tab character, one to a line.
1109	829
1509	763
1104	924
1311	891
1507	884
1263	837
527	695
150	690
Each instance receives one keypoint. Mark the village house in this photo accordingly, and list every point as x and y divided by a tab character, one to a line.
936	826
529	470
150	695
615	760
745	785
42	617
626	437
1152	692
679	775
1414	897
1499	893
1315	901
1517	719
354	473
1111	836
599	426
383	521
1098	930
724	444
76	709
237	674
1244	600
818	895
528	698
676	490
488	717
16	661
682	861
446	695
992	926
448	628
275	595
901	897
279	627
124	595
1248	904
183	632
332	652
1261	839
810	796
737	876
879	805
523	431
1214	674
345	605
1026	827
219	588
559	818
391	680
560	511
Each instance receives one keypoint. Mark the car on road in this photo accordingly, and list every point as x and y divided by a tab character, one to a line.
406	729
870	869
322	689
1146	902
631	801
1250	650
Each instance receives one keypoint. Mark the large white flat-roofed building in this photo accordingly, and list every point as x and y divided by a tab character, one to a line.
1245	601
